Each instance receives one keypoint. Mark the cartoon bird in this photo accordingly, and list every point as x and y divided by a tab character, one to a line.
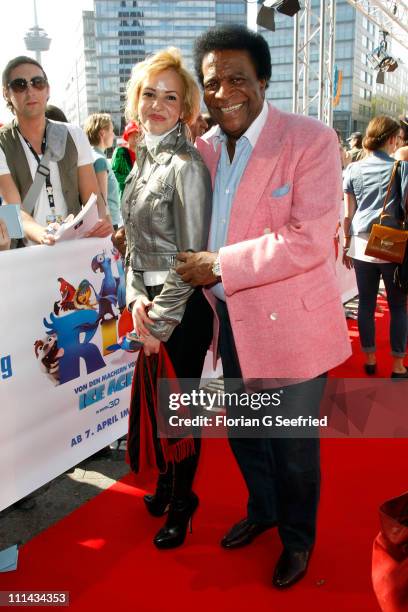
67	292
107	296
121	291
82	297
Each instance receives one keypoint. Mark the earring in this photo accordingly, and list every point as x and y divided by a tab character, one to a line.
179	128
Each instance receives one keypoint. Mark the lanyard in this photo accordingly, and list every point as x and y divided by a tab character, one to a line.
48	186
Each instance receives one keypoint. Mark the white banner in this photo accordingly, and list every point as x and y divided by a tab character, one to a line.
65	378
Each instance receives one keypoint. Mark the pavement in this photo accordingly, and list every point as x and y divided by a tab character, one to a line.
56	499
61	496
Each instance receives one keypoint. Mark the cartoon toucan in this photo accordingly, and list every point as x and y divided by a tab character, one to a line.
82	297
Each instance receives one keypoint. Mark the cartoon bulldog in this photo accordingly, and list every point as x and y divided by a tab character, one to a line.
48	355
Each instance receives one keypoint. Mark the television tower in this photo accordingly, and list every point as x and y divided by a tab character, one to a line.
36	38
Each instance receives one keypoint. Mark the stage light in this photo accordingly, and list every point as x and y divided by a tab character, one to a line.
381	60
287	7
266	15
266	18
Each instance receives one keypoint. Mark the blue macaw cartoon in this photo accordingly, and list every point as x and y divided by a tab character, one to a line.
107	296
121	293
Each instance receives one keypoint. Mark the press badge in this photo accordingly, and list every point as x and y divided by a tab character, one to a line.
54	219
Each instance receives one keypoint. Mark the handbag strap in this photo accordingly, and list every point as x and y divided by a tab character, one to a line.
387	195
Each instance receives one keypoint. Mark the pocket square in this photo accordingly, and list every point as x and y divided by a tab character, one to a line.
281	191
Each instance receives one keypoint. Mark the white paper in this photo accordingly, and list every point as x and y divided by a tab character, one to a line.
80	225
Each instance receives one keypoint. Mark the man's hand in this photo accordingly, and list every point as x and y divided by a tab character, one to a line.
46	235
196	268
101	229
140	315
4	236
119	240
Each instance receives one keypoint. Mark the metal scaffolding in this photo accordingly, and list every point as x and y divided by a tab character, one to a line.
314	31
313	59
388	15
313	47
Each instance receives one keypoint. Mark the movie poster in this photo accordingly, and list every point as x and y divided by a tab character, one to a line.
65	368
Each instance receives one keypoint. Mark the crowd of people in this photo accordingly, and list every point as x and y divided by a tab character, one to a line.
225	222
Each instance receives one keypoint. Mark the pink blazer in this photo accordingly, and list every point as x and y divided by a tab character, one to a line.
282	294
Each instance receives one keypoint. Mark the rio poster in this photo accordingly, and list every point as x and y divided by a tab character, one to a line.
66	367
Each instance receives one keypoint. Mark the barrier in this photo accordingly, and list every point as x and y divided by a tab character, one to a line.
64	377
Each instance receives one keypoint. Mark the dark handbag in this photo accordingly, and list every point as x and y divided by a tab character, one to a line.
390	556
385	242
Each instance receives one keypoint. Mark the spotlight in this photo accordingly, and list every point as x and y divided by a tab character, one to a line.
287	7
266	17
381	60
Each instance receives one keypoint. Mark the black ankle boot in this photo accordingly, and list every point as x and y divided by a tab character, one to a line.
158	503
180	516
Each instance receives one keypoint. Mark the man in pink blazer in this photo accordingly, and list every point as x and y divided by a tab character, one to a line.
269	278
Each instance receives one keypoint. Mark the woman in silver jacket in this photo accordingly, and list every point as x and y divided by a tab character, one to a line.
166	207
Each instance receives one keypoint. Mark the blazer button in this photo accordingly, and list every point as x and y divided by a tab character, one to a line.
273	316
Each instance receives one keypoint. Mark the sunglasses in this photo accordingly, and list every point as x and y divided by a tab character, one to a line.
20	85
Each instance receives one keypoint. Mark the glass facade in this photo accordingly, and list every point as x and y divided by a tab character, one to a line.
81	91
128	30
125	31
120	33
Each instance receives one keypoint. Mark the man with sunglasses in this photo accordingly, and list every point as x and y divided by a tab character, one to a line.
71	180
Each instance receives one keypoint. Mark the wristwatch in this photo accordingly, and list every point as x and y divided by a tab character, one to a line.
216	268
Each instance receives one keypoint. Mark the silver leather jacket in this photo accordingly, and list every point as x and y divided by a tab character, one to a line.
166	208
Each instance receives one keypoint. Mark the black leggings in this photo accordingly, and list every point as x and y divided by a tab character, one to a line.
187	348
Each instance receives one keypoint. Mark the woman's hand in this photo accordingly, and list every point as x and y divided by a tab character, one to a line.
347	260
140	315
4	236
119	240
151	345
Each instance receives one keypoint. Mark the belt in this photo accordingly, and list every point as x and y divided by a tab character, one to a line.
155	277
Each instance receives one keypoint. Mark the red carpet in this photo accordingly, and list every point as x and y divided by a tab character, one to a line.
102	553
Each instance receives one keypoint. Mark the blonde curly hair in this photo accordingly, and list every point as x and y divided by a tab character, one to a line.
160	61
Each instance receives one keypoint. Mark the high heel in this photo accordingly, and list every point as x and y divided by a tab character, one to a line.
370	368
157	504
179	518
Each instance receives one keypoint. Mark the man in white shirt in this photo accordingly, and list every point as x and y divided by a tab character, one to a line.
26	91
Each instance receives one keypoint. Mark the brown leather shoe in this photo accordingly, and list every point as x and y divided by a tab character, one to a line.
291	567
243	532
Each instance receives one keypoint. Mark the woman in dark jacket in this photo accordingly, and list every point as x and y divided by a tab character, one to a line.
365	187
166	208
